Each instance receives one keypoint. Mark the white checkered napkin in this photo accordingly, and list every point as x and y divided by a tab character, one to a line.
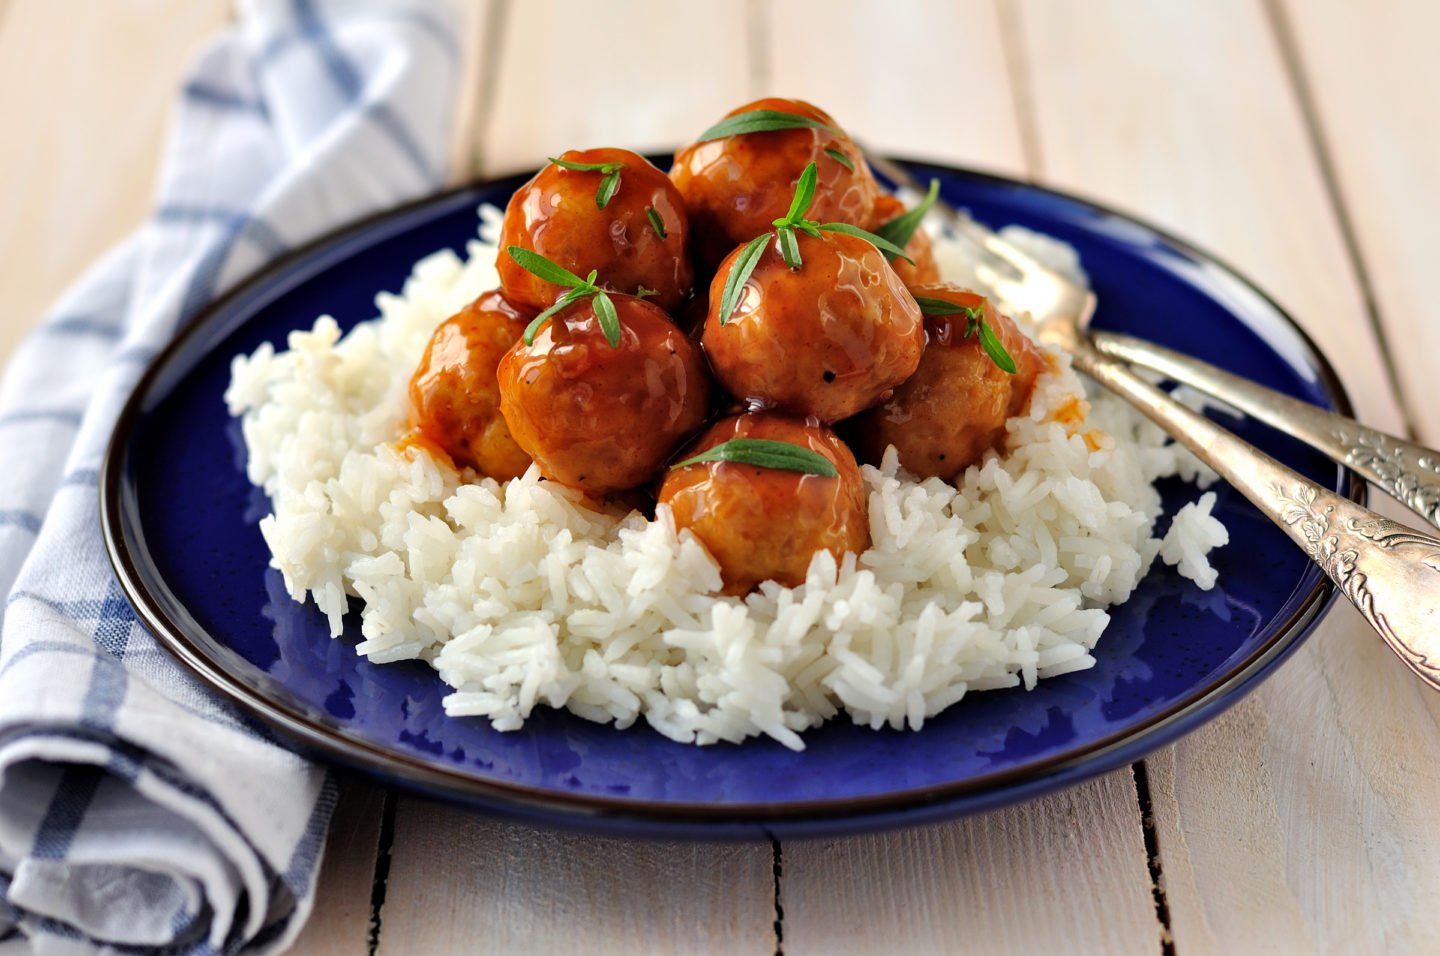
137	812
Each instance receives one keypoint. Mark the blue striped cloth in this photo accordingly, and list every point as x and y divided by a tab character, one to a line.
138	813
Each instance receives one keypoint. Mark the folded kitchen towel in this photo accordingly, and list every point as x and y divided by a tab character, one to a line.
139	813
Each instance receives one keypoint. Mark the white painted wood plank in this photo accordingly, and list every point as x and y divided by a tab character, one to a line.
1378	122
74	187
643	74
477	48
920	78
1303	819
1182	113
461	882
339	924
1063	874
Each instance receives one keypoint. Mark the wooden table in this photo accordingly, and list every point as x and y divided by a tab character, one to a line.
1297	138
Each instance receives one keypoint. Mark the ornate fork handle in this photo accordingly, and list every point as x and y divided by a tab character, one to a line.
1391	573
1408	472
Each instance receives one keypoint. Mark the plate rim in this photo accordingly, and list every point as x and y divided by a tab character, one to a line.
984	791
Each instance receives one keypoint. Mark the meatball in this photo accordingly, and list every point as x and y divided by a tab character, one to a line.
598	417
734	187
829	339
556	214
925	270
764	524
454	396
954	408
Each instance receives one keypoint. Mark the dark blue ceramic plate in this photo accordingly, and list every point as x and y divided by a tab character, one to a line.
180	520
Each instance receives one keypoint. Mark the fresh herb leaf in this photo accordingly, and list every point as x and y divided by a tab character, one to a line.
879	242
900	229
655	222
789	247
994	348
740	274
767	454
804	196
537	265
608	185
642	292
607	189
587	167
760	121
609	320
931	306
840	158
539	320
974	322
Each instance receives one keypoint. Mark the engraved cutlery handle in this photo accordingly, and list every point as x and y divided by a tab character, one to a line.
1408	472
1391	573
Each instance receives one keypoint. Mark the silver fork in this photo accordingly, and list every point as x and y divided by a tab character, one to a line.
1390	572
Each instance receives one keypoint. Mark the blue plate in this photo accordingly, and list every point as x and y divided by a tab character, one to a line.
180	522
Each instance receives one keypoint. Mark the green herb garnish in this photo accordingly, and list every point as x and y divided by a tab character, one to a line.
760	121
609	183
840	158
740	274
655	222
785	229
994	348
891	250
974	323
945	307
576	290
900	229
765	453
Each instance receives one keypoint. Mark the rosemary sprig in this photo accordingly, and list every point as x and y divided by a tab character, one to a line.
974	323
740	274
840	158
609	182
765	453
577	289
785	228
900	229
761	121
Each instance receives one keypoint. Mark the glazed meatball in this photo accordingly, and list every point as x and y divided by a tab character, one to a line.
556	214
828	340
954	408
598	417
925	270
734	187
764	524
454	396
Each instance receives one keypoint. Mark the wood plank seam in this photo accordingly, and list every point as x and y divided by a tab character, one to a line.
491	50
382	871
1012	50
1294	70
1152	856
777	870
760	48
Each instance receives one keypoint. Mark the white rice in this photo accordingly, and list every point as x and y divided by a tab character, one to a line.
519	596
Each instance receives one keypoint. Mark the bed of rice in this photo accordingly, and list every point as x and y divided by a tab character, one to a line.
519	596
